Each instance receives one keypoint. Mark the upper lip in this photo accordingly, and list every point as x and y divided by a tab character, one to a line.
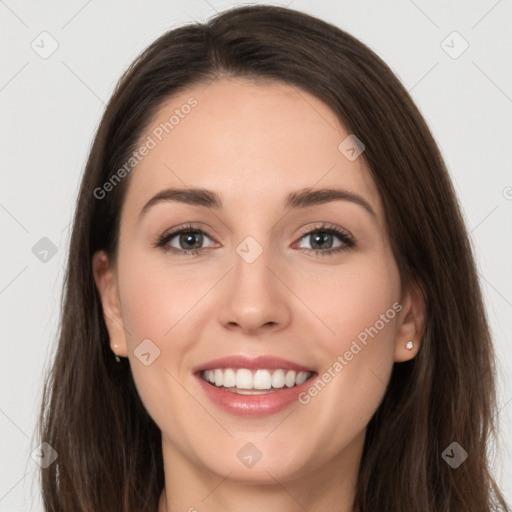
252	363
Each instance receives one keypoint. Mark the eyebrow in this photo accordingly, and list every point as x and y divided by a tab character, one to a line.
295	200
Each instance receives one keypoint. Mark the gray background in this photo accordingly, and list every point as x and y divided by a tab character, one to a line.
50	108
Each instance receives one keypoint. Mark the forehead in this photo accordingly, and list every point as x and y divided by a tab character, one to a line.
246	141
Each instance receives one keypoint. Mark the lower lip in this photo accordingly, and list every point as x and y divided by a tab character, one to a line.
253	405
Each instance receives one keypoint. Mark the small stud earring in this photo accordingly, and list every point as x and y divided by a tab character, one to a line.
409	345
118	360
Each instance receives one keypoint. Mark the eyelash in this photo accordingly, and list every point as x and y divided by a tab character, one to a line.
348	241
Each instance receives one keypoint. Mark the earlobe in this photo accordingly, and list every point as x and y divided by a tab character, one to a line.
106	284
411	325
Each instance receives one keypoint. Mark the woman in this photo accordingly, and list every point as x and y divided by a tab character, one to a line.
322	343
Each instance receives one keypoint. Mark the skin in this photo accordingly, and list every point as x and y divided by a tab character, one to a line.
252	142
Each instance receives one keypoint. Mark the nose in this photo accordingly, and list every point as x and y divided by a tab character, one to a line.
256	299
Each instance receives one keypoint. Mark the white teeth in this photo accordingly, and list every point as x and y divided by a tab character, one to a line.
289	380
249	391
219	377
244	379
301	378
262	380
278	379
229	378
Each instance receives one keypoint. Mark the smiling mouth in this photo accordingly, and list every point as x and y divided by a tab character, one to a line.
254	382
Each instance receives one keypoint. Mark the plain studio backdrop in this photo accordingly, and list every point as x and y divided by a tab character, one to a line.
59	64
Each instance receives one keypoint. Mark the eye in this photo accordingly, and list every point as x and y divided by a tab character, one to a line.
189	240
323	236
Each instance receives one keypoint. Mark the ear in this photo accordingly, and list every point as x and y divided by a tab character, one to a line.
106	283
411	323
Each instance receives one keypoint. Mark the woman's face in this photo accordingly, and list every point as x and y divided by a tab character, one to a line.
274	295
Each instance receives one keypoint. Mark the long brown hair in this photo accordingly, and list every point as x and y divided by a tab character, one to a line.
109	449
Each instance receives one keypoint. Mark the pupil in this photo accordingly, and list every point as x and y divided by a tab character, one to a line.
323	238
189	238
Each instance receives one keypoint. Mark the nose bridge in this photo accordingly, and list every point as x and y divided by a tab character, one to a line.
255	297
251	273
253	252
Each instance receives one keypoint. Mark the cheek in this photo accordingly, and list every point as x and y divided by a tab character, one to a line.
350	299
155	303
152	304
158	302
359	313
